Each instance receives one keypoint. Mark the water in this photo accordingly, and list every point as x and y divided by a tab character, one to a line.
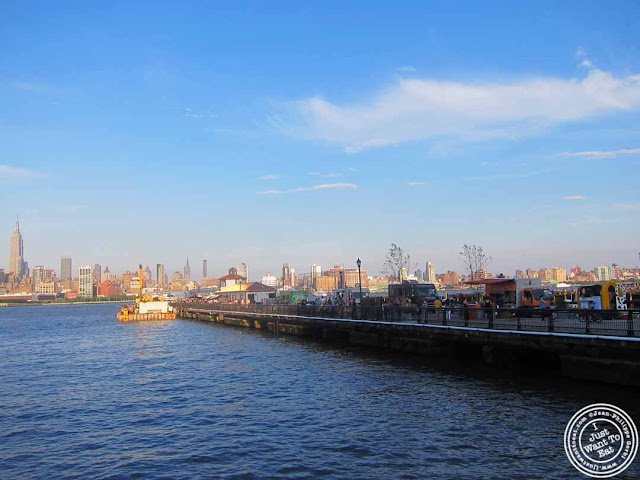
82	396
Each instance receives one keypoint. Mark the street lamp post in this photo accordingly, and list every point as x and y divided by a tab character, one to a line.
358	262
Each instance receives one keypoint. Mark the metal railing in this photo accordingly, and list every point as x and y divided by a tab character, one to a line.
574	321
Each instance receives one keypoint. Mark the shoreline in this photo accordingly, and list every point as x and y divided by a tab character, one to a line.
49	304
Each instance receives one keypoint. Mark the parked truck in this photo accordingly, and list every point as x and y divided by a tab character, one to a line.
516	292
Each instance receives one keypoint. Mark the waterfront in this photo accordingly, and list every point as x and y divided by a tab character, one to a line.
86	396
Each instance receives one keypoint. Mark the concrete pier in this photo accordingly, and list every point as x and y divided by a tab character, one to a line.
600	358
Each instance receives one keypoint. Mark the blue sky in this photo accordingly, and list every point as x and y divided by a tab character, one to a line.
289	132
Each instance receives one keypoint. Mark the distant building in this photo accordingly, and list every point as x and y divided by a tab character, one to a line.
187	271
97	274
106	275
146	274
16	253
604	274
286	274
85	285
316	271
419	276
243	270
269	280
204	269
65	268
38	275
558	274
430	273
233	278
161	277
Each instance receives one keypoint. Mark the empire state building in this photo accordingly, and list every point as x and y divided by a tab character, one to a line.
16	252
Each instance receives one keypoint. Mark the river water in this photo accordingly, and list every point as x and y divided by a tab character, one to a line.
83	396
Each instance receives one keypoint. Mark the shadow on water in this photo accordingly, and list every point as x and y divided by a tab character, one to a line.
525	380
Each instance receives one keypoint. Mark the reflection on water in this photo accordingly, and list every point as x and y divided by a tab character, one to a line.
85	396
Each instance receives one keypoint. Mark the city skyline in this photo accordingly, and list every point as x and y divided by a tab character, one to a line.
423	130
16	246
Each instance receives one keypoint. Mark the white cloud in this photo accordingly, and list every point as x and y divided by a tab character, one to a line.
406	68
415	184
421	109
271	176
327	186
573	197
13	174
602	154
353	169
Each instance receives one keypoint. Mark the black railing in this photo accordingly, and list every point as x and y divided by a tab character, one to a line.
575	321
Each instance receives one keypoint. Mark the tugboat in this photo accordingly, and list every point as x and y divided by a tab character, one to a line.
146	307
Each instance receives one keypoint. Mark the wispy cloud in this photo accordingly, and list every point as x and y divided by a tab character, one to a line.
406	68
574	197
416	184
353	169
327	186
628	206
421	109
271	176
35	87
10	174
623	152
325	175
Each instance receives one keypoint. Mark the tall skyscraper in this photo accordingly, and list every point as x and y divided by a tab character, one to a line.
316	271
430	273
187	271
204	268
85	285
97	273
160	275
106	275
243	270
65	268
286	274
16	252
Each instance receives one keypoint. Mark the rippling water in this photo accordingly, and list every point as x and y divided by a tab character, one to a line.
82	396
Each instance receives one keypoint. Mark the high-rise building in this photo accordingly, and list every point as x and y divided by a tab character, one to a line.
38	275
604	274
316	271
187	271
204	268
430	273
286	274
106	275
161	277
243	270
418	275
65	268
293	278
16	253
146	274
85	285
97	273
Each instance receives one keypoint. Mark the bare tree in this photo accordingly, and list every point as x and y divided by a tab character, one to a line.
474	258
395	261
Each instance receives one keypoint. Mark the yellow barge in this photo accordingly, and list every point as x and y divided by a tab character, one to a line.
147	308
